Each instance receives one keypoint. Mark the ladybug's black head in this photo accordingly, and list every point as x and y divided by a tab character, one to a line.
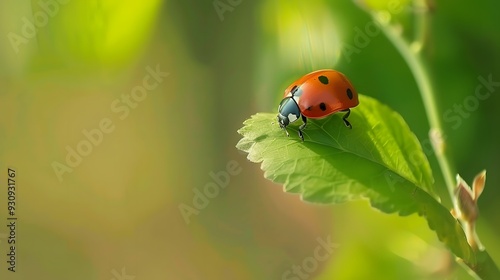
288	112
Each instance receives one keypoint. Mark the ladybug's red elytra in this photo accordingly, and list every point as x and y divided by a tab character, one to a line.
317	95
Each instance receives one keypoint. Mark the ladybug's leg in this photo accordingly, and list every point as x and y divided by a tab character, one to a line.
282	126
304	119
346	122
286	131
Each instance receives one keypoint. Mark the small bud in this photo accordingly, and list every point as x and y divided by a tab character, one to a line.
478	184
467	208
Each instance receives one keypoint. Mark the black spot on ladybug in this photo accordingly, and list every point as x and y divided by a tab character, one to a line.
293	90
322	106
309	108
323	80
349	93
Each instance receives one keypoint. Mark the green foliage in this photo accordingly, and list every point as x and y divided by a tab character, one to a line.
380	159
337	164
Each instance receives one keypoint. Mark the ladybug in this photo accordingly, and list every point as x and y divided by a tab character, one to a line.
317	95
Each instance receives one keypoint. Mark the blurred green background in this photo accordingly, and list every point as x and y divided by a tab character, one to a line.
68	65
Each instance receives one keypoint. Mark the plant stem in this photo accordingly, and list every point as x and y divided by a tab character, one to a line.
483	267
411	57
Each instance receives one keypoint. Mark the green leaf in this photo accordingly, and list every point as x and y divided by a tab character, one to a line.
379	159
338	163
